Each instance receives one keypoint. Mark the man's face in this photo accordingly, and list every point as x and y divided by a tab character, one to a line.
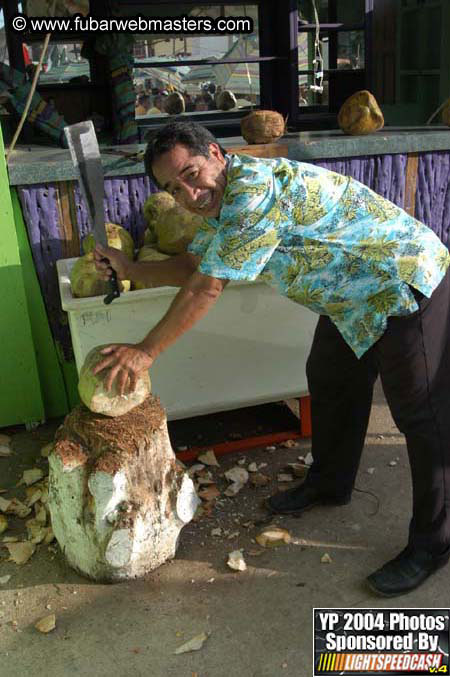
197	183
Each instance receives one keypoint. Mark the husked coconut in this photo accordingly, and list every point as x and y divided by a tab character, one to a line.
85	280
262	126
174	104
101	401
226	100
360	114
117	236
173	226
148	254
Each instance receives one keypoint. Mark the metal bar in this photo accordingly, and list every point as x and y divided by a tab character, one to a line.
306	28
203	62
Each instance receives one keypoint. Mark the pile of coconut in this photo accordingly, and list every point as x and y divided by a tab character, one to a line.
170	229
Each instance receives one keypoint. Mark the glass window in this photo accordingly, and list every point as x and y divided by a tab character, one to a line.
331	48
168	83
350	50
4	56
63	62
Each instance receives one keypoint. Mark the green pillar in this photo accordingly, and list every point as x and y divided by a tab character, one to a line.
20	392
50	372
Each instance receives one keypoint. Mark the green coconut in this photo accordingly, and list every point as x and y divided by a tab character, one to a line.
176	229
85	280
149	237
110	403
147	253
118	237
169	225
155	203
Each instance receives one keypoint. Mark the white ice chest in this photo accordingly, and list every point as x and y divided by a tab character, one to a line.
250	349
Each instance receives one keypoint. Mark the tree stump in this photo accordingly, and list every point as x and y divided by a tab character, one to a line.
118	499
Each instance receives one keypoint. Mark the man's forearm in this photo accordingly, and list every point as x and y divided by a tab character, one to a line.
191	303
172	272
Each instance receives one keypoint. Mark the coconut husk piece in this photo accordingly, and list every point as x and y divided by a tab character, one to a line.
360	114
262	126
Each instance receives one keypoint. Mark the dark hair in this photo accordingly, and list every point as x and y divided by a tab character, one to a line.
143	98
190	134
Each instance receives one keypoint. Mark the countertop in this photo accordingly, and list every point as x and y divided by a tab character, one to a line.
40	164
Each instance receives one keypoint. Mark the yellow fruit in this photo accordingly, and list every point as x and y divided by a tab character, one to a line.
118	237
86	281
360	114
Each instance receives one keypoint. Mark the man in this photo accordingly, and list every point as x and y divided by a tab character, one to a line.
143	105
377	277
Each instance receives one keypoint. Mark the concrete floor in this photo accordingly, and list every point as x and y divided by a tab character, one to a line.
260	621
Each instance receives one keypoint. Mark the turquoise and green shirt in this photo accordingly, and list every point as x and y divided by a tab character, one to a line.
325	241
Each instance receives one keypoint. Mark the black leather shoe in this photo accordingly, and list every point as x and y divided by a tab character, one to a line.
295	501
406	572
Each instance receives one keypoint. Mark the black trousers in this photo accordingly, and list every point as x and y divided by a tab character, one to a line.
413	361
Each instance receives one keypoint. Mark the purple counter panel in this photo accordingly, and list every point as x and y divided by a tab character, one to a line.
46	213
46	210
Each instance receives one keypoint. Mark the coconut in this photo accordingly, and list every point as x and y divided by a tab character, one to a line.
262	126
226	100
150	238
118	237
360	114
173	227
110	403
174	104
155	203
85	280
147	253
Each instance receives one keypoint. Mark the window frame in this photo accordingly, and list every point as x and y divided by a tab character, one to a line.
362	76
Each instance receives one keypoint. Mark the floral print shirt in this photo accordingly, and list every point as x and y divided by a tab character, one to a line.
324	240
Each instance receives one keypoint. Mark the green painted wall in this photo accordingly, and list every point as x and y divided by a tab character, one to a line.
20	392
49	368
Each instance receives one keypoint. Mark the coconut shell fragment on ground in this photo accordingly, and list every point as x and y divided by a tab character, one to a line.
262	126
110	403
360	114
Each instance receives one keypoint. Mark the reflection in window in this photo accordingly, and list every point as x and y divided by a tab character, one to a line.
201	87
351	50
4	57
224	87
63	62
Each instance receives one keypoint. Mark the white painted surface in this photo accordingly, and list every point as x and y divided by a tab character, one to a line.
250	349
113	526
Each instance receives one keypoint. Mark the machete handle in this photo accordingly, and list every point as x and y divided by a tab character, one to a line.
113	284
